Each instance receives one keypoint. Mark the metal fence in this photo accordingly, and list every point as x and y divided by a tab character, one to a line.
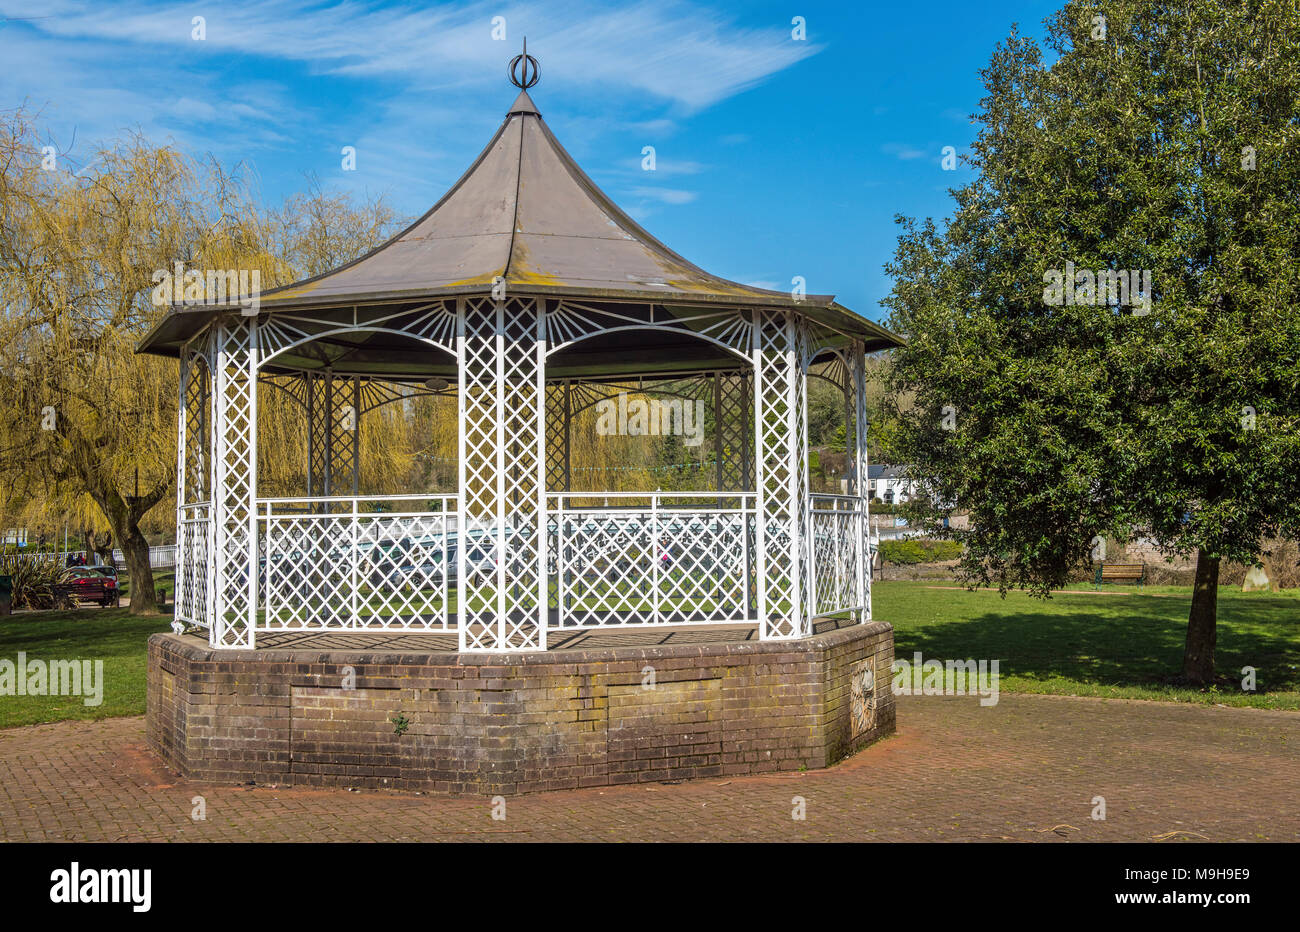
160	557
631	559
613	560
375	563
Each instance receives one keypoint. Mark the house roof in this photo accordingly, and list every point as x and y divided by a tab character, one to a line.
524	212
885	471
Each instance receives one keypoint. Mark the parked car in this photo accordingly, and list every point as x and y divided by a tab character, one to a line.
98	586
420	563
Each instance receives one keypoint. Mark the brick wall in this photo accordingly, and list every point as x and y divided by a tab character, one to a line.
518	722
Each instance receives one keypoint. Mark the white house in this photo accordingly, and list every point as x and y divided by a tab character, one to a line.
889	484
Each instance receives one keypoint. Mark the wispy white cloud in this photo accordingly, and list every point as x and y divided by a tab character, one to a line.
429	84
666	195
904	152
660	127
664	168
676	51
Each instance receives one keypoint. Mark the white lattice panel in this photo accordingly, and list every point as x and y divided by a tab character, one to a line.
193	517
836	544
307	566
403	572
192	565
373	572
501	442
522	388
798	439
195	442
778	410
234	477
652	566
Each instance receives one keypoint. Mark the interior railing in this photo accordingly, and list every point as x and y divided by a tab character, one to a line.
614	559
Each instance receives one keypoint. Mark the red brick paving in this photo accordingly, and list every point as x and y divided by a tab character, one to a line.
1025	770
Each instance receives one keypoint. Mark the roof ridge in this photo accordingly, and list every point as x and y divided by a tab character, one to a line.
519	174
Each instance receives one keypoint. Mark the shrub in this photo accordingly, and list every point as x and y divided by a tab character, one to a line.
34	578
908	552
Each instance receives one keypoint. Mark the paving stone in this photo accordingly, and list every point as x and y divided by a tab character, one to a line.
1026	769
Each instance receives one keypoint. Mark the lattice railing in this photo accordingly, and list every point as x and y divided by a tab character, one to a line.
381	563
838	541
618	559
193	565
631	559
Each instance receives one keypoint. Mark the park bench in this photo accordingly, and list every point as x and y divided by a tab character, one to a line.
67	595
1121	572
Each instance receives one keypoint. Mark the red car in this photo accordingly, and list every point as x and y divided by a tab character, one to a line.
96	585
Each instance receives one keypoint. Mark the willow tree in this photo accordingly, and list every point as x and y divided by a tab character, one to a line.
84	417
1105	339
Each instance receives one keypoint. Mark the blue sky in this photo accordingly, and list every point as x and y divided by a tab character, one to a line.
775	157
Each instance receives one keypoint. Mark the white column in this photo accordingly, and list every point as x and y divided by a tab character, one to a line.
184	578
503	475
234	483
858	385
781	476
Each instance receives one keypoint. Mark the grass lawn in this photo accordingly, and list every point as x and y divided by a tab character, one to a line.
107	634
90	633
1107	644
1124	645
162	579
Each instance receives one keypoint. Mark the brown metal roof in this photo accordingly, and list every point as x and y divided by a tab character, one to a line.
525	212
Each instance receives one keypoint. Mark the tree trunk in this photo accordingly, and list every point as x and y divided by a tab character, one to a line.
1198	656
104	549
135	549
124	519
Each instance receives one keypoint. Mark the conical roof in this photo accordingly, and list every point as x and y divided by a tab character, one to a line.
526	213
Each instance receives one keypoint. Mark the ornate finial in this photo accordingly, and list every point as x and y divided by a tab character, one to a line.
529	76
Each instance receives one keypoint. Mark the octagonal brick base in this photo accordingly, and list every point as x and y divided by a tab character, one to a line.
517	723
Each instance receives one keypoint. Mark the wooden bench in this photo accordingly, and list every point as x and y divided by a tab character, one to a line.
68	594
1121	572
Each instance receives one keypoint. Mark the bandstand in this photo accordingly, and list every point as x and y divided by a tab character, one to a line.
524	296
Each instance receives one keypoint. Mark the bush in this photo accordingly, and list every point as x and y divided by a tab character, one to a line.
908	552
34	578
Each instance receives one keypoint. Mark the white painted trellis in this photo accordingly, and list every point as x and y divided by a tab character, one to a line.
530	555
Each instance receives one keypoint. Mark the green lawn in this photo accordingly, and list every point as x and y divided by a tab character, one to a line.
1124	646
107	634
162	579
1114	645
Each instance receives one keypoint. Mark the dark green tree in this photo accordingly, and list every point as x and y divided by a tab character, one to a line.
1061	404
